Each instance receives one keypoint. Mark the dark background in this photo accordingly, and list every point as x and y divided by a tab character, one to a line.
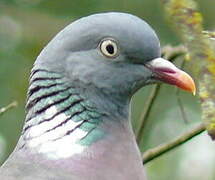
25	28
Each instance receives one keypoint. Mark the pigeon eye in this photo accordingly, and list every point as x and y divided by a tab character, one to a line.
109	48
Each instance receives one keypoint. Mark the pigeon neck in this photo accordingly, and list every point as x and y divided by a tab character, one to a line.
78	131
62	121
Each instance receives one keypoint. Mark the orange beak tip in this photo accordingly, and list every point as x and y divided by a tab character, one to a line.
184	81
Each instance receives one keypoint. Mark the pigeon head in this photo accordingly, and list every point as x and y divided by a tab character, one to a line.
116	53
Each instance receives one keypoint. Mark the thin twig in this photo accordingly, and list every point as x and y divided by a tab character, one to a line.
172	53
209	34
8	107
163	148
145	114
181	107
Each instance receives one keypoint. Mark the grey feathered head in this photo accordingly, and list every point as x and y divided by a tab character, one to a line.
113	52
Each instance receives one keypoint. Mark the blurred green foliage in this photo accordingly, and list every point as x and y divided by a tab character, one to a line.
26	26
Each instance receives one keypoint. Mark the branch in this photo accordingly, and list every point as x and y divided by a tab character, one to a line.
8	107
163	148
180	104
146	111
209	34
185	16
172	53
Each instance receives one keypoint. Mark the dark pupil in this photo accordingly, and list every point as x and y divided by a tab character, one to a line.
110	49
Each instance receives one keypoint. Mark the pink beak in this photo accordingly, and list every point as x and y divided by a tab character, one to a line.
167	72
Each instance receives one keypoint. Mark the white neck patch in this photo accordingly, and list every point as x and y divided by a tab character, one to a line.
51	139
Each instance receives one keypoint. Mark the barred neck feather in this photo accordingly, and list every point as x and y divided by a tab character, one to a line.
65	129
60	122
